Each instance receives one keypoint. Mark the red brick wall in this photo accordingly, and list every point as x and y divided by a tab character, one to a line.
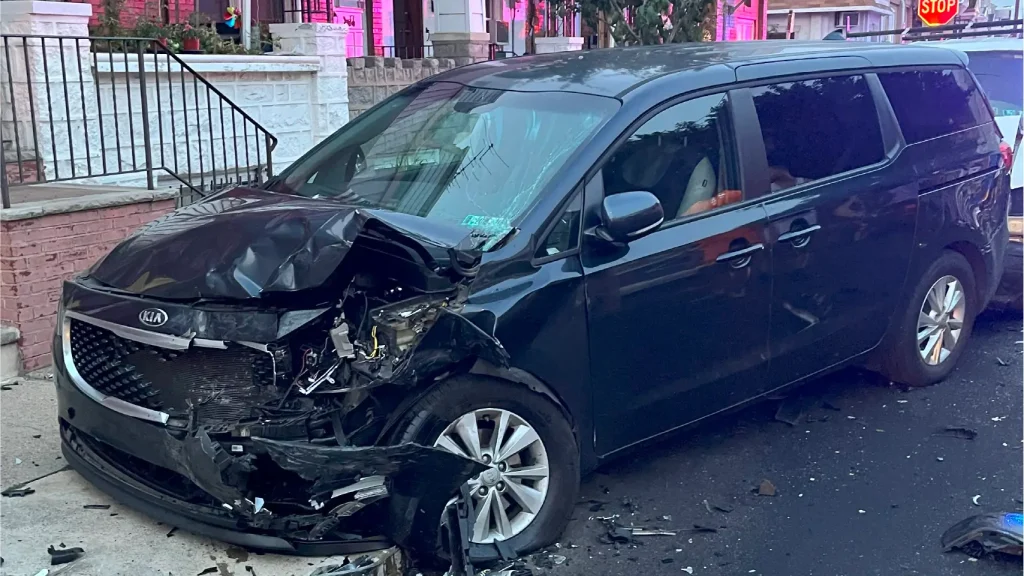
177	10
37	254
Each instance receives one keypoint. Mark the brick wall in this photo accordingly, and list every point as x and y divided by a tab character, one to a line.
37	254
371	79
132	10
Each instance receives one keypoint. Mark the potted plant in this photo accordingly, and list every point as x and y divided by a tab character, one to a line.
146	28
190	37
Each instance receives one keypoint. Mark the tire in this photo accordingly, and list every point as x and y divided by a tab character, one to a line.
902	359
429	417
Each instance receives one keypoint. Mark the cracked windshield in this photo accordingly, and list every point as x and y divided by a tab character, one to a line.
465	156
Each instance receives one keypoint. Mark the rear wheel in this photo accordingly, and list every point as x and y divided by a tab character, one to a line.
936	324
526	495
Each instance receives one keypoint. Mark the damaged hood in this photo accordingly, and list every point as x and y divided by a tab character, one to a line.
244	243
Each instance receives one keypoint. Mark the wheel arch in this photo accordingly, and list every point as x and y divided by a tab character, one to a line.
481	367
973	255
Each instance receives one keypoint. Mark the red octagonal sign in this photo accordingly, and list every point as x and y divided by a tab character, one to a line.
937	12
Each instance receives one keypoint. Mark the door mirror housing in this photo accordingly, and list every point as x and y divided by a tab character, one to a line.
627	216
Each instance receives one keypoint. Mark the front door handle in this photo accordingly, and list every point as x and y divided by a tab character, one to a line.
799	237
740	258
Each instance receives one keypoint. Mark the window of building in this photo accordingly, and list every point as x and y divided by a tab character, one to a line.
933	103
816	128
684	156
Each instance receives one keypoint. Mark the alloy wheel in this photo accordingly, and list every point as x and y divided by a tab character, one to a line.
508	495
941	320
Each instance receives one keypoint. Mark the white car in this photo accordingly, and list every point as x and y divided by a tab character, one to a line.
998	63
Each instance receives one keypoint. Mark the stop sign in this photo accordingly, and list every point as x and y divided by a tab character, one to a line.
937	12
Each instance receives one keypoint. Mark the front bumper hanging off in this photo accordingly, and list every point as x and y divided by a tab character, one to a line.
195	483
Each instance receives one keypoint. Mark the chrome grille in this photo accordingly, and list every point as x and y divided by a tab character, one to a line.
220	385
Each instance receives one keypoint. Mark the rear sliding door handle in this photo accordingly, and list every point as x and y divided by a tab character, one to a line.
740	258
799	236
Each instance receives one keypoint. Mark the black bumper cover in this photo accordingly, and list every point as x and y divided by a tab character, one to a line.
421	480
1011	286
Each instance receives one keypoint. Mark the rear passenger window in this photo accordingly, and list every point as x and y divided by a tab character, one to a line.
816	128
933	103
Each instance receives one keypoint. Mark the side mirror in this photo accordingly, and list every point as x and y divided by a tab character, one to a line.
630	215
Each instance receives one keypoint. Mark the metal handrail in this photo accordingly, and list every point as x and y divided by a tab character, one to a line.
150	62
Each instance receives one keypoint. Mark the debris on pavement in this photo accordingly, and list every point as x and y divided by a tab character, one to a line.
986	533
975	498
961	432
766	488
791	410
210	570
172	531
96	506
1001	362
63	556
17	491
716	506
651	532
688	569
702	529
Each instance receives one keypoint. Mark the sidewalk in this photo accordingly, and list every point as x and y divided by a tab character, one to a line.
117	540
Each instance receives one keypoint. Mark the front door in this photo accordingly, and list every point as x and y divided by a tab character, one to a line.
678	319
408	29
841	225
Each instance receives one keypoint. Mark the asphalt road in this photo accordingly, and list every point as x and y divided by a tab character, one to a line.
863	488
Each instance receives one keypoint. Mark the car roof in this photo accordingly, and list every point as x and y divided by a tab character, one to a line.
615	72
982	44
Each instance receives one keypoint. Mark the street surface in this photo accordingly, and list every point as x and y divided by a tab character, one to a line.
863	487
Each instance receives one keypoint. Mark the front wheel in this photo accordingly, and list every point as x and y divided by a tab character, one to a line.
526	495
936	324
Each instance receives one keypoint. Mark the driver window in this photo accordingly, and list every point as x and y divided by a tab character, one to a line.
683	155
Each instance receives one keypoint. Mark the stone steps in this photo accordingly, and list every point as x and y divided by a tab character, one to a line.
10	363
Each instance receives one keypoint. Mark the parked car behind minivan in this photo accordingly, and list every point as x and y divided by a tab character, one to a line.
998	65
506	274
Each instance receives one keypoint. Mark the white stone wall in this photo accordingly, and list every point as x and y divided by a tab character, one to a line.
554	44
85	115
200	132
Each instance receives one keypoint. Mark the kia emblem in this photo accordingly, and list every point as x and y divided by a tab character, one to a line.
153	317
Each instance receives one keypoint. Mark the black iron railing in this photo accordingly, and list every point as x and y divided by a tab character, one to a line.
94	108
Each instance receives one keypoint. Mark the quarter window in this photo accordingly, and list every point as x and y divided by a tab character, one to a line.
683	155
565	234
933	103
816	128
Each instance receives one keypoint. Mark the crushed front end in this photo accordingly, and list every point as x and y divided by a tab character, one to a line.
261	416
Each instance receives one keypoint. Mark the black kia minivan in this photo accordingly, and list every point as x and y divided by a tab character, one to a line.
506	274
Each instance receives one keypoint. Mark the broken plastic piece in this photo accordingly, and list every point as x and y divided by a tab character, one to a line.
342	345
766	488
17	491
63	556
986	533
652	532
97	506
958	432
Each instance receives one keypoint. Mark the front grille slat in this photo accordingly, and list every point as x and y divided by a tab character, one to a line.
220	386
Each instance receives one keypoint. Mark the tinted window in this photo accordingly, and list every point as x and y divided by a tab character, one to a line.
683	156
1001	75
816	128
933	103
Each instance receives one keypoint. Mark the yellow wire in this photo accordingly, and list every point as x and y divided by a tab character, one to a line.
373	334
